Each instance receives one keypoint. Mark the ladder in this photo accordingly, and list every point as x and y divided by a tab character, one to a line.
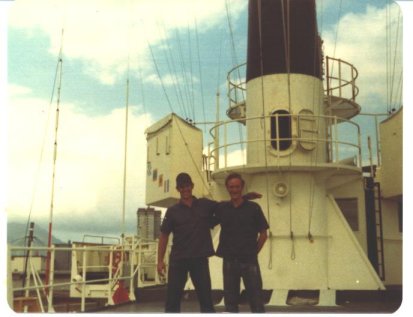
379	231
374	224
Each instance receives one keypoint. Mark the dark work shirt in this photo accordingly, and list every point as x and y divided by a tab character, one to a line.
239	229
191	228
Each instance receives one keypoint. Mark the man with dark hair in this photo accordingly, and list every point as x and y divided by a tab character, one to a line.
243	234
190	221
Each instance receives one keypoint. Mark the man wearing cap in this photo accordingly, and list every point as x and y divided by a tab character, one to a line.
190	221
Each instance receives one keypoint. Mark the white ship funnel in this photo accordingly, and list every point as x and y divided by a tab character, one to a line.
294	159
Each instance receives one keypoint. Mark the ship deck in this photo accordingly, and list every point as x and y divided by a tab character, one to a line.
151	300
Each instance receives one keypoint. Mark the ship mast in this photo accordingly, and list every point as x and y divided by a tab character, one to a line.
125	155
49	242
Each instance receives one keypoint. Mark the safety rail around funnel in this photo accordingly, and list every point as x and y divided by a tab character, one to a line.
340	90
341	79
342	145
237	86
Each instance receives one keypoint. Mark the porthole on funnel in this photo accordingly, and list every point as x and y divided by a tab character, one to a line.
281	136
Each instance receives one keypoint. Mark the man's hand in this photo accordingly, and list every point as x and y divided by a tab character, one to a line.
162	243
161	268
252	196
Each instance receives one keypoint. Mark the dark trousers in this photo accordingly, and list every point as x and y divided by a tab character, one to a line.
198	269
250	273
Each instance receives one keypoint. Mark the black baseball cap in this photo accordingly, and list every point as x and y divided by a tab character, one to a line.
183	179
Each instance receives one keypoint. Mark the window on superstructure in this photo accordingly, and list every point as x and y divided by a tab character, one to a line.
280	130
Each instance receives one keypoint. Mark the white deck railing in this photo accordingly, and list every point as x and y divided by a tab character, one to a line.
135	255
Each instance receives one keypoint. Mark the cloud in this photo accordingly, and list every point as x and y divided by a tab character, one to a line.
171	80
104	34
89	162
362	42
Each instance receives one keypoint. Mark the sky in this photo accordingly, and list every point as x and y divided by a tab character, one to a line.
175	55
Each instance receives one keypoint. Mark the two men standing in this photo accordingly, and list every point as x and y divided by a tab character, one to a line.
243	233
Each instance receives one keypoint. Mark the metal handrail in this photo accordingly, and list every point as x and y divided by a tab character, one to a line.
102	238
131	249
335	85
332	140
236	87
341	82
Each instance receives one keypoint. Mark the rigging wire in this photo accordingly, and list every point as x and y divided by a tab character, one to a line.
142	90
267	193
399	94
336	37
231	33
388	57
219	61
233	49
200	72
183	73
394	61
235	62
314	156
184	96
159	77
172	70
286	32
216	133
183	137
191	75
337	27
393	92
